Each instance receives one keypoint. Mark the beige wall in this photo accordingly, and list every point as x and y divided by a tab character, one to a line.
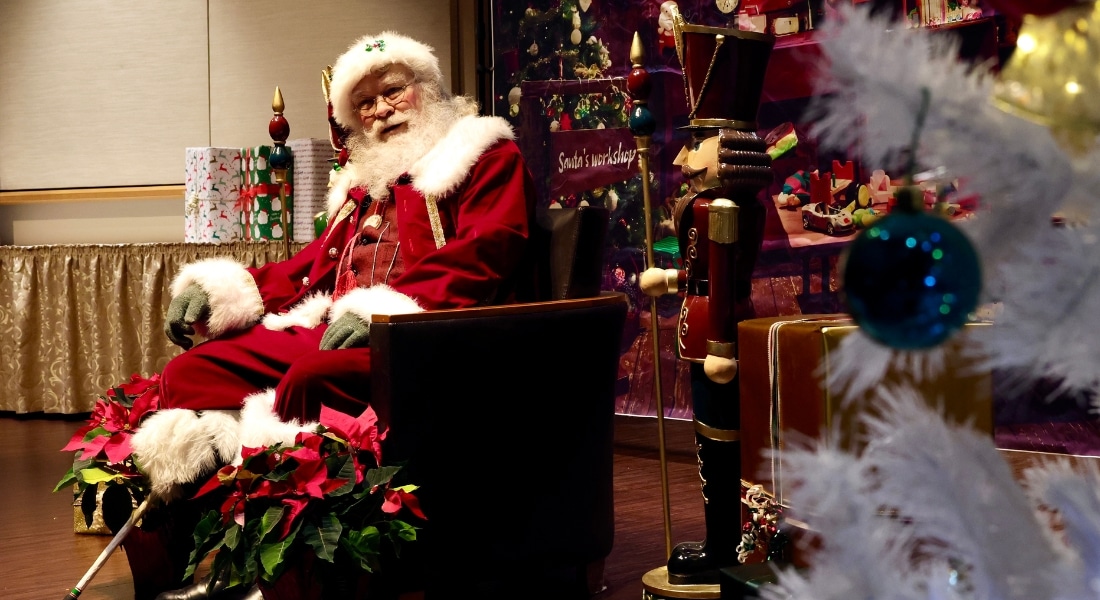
103	93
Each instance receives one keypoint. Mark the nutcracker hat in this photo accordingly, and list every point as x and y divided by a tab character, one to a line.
723	73
370	53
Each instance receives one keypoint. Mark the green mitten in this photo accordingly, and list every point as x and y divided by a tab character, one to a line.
349	331
186	309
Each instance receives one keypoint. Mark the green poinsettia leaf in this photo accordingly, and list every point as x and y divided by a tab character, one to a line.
271	558
66	481
233	536
366	541
278	474
364	546
401	531
205	527
271	519
94	433
324	538
93	475
345	471
223	567
81	464
206	539
381	476
273	555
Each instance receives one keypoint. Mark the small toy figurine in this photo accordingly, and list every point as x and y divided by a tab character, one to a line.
796	190
665	36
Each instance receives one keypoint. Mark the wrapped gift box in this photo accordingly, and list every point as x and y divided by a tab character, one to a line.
81	523
262	217
783	364
313	159
212	188
94	522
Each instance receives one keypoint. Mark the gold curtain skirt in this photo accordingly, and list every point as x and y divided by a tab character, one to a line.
78	319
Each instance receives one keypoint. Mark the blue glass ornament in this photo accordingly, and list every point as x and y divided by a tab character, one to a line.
911	279
642	122
280	157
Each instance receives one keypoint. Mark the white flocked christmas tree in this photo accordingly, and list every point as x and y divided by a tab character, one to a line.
928	509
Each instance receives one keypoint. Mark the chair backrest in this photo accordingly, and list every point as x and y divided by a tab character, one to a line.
573	263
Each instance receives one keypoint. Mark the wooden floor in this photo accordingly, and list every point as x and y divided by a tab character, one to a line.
41	557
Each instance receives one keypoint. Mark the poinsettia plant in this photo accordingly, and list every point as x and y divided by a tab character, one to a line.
327	494
105	455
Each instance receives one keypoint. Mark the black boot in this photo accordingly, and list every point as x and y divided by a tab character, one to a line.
199	590
203	590
720	472
717	414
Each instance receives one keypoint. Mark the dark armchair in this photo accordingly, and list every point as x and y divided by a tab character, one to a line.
505	416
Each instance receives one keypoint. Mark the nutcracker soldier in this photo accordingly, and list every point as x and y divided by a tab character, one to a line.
720	226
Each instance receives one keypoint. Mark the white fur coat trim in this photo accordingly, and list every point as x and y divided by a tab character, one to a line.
375	300
445	166
175	446
235	301
261	426
307	313
448	164
338	193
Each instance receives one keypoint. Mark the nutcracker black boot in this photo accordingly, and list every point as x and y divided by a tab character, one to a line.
720	472
718	442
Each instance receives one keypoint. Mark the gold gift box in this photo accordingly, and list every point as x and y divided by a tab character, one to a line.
97	526
797	350
80	525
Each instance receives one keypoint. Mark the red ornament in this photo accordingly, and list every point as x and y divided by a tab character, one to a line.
278	128
566	123
638	84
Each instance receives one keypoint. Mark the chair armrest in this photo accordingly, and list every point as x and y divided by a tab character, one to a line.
606	299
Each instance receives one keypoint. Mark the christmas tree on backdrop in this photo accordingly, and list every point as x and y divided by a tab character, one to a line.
558	41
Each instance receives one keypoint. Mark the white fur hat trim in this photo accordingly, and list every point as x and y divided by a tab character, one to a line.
367	54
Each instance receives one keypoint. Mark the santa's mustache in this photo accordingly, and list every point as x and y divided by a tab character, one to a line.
381	125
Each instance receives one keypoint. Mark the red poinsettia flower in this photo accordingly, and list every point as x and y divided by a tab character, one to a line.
398	497
99	416
361	434
311	479
118	420
139	385
147	402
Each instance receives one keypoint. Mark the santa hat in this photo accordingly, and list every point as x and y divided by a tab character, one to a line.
368	54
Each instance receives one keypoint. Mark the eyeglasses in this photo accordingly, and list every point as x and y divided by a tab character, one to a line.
392	96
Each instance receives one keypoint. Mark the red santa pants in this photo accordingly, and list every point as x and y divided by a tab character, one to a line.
219	373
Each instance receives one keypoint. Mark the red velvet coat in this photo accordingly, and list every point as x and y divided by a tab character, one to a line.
476	177
485	223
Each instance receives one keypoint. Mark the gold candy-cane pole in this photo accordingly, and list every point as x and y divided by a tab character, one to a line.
642	126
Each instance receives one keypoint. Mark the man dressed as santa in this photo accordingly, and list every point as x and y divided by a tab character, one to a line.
434	210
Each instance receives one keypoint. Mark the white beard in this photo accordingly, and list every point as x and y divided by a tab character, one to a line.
376	164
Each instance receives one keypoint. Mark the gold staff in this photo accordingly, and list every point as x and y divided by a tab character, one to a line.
280	161
642	126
